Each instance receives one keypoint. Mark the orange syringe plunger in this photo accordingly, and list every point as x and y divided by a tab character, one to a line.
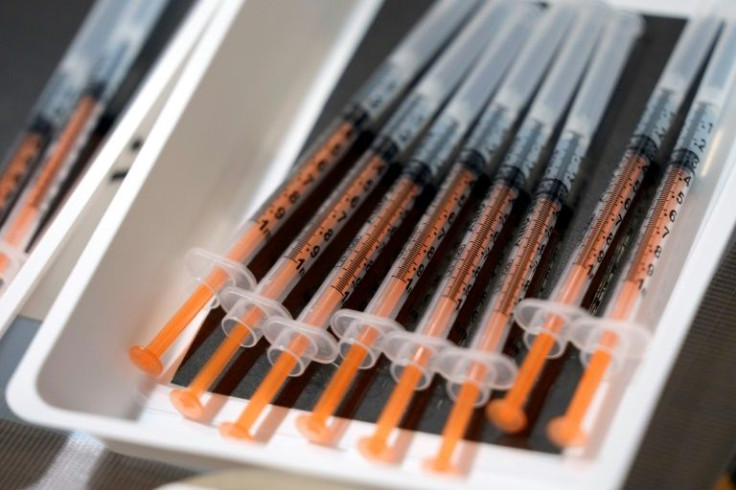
609	343
412	353
472	372
368	108
248	311
213	272
547	323
362	332
21	223
295	344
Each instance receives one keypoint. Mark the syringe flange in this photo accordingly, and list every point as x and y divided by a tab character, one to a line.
457	366
356	328
15	259
238	302
623	341
201	265
284	334
401	348
537	316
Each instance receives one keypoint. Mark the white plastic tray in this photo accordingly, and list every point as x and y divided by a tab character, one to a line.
76	374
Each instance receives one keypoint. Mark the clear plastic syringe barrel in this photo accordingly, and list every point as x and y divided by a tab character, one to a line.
479	150
547	323
399	133
295	344
366	109
524	154
427	163
581	123
690	150
643	147
249	311
608	343
56	102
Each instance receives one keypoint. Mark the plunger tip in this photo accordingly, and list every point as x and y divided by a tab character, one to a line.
187	403
565	433
376	450
314	428
232	430
145	360
507	416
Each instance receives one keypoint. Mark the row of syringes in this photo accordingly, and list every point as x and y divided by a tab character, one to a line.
512	74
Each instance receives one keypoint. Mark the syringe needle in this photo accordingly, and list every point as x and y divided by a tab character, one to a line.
414	355
376	98
306	340
547	322
612	340
363	332
400	133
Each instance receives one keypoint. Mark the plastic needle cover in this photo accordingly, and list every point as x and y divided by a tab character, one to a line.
474	371
608	343
248	311
547	322
370	105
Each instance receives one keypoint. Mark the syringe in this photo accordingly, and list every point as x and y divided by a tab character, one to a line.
361	333
248	311
370	105
413	353
295	344
474	371
548	321
52	111
56	102
126	39
610	342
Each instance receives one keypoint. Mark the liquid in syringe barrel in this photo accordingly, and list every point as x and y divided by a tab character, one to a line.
536	230
663	214
370	105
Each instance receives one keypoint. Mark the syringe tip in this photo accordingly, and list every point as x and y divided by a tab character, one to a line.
314	428
145	360
187	403
566	433
232	430
507	416
376	449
